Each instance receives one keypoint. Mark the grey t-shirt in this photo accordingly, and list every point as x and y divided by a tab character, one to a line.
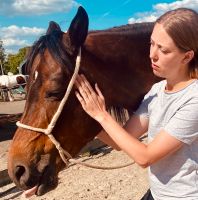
175	176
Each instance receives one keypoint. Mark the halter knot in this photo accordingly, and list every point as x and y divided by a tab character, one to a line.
48	131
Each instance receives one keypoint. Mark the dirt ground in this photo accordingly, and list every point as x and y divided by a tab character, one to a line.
79	182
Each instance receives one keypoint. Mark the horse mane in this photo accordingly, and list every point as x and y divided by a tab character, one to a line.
136	28
52	42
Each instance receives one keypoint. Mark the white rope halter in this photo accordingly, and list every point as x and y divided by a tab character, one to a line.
48	130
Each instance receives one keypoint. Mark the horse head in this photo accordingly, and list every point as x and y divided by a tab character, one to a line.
33	159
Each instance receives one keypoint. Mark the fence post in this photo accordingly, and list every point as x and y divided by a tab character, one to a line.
1	68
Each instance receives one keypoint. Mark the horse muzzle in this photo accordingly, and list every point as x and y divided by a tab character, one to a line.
42	174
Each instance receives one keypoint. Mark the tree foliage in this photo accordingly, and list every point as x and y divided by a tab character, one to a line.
13	60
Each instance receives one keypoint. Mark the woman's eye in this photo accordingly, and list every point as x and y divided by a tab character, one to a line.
164	50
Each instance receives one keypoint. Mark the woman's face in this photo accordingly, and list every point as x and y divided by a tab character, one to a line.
167	60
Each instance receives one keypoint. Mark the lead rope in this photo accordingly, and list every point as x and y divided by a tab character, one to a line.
48	130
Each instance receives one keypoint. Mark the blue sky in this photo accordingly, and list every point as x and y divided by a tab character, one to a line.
24	21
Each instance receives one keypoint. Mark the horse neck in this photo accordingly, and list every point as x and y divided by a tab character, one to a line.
109	58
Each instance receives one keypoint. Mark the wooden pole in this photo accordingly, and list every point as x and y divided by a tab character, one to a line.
1	67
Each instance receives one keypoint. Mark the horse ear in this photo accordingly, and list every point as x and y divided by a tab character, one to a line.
52	27
78	28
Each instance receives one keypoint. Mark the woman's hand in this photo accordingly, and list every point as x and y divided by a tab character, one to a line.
92	102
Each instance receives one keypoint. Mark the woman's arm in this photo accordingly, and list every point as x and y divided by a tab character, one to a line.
143	154
105	138
135	126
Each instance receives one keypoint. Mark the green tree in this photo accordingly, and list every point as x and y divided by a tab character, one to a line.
13	60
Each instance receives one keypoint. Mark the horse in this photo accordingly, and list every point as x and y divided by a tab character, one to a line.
9	82
116	58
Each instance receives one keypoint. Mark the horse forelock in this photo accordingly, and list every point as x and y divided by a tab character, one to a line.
53	43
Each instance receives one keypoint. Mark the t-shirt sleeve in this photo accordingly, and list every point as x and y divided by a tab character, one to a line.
147	100
184	123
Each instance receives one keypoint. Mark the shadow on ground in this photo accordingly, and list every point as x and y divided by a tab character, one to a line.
7	131
8	125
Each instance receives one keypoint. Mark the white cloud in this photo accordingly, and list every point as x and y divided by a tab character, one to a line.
14	42
161	8
149	18
13	30
10	51
36	7
15	37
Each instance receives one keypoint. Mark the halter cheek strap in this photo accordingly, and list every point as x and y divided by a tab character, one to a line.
48	130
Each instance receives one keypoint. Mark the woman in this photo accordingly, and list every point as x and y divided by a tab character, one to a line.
169	112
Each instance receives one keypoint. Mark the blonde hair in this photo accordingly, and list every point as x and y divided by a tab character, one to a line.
182	26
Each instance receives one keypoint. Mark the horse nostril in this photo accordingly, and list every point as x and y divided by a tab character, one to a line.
19	172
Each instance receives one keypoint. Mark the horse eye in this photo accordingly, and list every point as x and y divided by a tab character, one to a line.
54	95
